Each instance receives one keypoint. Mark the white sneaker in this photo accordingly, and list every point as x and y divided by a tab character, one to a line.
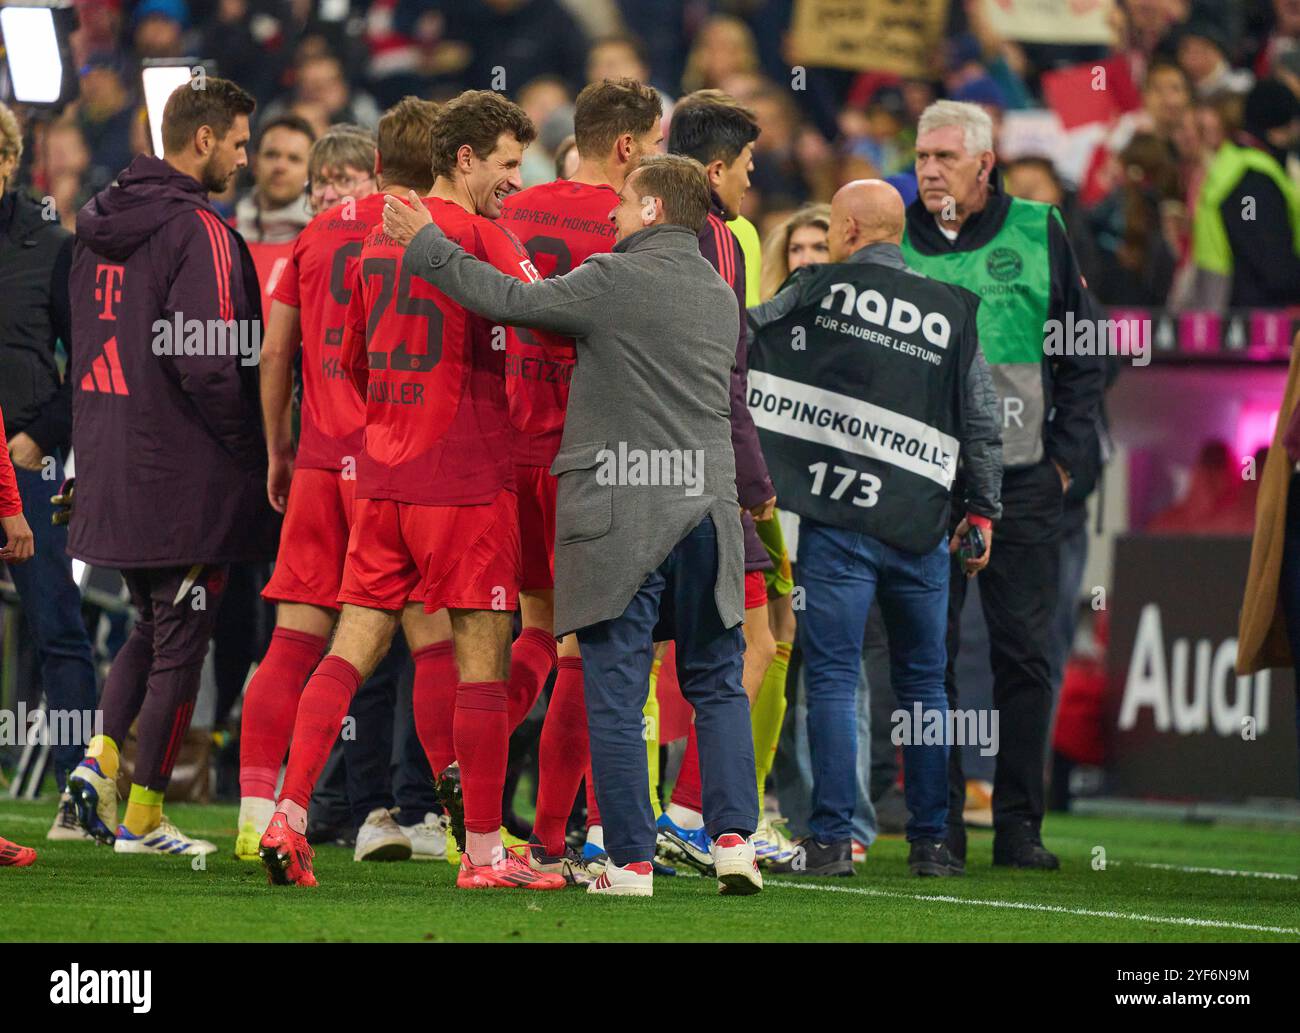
428	838
94	795
166	838
771	845
65	825
733	860
632	880
380	839
569	864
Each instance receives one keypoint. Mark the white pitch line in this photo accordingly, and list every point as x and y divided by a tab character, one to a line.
23	819
1203	923
1208	871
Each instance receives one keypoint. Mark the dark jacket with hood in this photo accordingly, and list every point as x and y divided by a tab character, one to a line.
170	454
35	255
753	483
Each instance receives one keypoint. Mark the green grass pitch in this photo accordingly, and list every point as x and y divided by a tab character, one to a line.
81	891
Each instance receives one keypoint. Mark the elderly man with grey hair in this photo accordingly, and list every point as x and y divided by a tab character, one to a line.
963	228
648	542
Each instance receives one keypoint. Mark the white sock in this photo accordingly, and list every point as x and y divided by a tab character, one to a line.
684	817
596	836
256	809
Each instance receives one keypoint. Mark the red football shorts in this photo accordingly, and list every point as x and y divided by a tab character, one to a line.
536	488
462	557
313	540
755	589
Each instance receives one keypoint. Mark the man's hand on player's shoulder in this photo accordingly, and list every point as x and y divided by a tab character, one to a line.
404	219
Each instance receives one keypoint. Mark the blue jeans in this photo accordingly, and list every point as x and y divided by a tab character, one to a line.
677	597
52	603
841	573
793	770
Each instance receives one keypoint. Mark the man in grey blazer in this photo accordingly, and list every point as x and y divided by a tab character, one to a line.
648	541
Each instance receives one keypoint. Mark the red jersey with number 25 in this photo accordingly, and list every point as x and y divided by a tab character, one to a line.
432	373
318	283
561	225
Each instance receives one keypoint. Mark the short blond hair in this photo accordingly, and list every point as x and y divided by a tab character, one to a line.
403	137
11	136
681	184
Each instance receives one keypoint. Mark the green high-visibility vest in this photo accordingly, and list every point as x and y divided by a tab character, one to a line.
1013	277
1210	248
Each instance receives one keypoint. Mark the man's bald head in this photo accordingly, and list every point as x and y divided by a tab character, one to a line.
866	211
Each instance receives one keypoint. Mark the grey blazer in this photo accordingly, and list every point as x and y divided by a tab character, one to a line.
646	452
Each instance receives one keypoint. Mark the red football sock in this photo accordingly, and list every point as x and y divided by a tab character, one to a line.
562	755
687	792
531	659
321	711
434	701
481	733
593	808
270	704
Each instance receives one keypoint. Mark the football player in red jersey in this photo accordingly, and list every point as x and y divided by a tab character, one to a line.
561	224
434	516
313	486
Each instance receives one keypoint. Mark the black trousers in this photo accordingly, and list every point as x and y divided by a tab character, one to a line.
1018	594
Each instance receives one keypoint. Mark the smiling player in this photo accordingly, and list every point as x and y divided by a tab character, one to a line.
313	483
434	517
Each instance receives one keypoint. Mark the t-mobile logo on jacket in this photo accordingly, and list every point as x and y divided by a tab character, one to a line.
108	288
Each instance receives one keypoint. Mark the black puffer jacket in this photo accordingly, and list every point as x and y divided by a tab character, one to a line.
35	258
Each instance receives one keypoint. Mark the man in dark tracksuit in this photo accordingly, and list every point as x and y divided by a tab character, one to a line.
1014	254
171	460
719	133
35	258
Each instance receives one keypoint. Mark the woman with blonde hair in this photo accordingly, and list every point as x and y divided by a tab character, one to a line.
798	241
